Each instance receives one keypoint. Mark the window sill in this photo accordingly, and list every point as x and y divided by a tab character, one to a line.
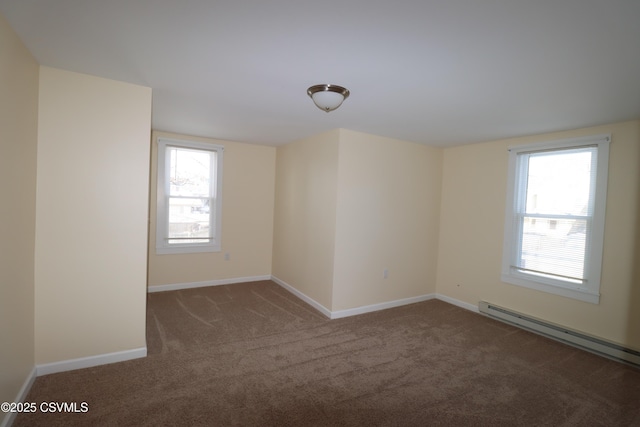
186	249
565	291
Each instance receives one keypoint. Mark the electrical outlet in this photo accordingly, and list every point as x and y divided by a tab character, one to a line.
227	256
385	274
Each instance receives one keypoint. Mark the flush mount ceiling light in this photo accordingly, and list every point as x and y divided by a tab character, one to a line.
328	97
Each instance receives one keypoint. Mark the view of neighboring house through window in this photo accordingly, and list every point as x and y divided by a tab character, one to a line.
555	216
189	205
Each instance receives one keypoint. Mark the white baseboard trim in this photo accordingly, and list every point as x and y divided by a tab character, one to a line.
380	306
351	311
374	307
22	394
87	362
179	286
321	308
458	303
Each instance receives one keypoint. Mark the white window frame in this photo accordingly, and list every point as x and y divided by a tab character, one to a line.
588	291
162	205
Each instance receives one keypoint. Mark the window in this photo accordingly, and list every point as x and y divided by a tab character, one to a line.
189	197
555	216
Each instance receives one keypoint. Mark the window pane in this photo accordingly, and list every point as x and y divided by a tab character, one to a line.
553	246
189	220
560	182
190	172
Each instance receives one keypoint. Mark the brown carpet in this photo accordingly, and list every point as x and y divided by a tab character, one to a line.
254	355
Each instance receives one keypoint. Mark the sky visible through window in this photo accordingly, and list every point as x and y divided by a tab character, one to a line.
559	183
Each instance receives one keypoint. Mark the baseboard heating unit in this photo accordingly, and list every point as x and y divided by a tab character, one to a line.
560	333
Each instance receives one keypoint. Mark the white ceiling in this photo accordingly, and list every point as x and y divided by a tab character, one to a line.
440	72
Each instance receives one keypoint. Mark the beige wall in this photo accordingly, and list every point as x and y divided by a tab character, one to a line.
305	215
18	141
387	218
472	226
91	219
247	219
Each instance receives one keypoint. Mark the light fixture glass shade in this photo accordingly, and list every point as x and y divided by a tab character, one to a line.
328	97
